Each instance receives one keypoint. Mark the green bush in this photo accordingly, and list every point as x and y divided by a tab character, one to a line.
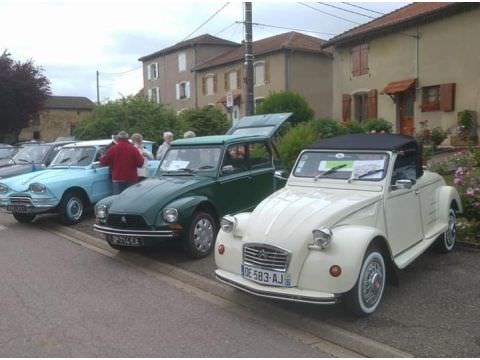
327	128
438	135
353	127
287	101
208	120
294	141
378	125
132	114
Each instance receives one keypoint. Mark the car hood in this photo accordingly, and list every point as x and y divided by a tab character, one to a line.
12	170
149	196
293	212
46	177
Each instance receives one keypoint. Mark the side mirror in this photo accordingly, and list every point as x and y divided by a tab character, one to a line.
403	184
228	169
281	174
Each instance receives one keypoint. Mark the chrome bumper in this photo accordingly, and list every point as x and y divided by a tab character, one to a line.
136	233
288	294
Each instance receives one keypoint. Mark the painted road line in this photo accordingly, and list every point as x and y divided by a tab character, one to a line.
324	334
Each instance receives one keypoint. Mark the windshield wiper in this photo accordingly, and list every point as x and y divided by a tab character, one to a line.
24	160
187	170
368	173
330	171
65	160
205	167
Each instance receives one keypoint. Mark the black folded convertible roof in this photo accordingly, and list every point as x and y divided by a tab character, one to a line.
393	142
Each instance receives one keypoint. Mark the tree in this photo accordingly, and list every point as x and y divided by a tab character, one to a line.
208	120
287	101
23	91
132	114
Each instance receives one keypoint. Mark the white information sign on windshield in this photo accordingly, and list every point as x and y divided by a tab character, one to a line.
361	167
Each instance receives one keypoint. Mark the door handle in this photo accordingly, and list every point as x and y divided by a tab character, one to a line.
417	192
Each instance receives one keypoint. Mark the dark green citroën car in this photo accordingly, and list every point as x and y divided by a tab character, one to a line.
199	180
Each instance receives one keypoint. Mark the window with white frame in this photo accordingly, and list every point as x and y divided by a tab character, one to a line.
183	90
259	73
182	62
154	95
232	80
210	84
153	71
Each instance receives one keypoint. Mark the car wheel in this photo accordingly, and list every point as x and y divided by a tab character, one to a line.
200	239
447	241
367	293
71	207
23	218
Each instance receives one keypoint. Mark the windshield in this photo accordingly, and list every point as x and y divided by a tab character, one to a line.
32	154
191	159
342	165
7	152
75	156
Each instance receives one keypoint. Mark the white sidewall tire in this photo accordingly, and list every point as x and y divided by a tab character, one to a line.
372	257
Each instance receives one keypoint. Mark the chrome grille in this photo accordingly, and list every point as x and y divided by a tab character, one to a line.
125	221
266	256
20	199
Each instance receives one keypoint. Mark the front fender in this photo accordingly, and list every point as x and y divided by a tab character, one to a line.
445	196
186	207
347	249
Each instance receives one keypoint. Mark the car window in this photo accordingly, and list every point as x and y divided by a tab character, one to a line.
236	158
32	154
260	156
191	158
405	166
74	156
342	165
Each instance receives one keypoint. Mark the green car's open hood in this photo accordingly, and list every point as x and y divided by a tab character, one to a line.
266	124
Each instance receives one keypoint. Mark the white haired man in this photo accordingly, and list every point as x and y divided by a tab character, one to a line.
162	149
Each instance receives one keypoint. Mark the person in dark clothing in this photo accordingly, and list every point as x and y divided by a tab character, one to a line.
123	159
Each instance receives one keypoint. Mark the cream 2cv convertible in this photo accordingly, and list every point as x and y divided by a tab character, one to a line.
356	208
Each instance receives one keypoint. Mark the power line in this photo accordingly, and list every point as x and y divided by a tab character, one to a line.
349	11
363	8
225	29
289	28
327	13
121	73
208	20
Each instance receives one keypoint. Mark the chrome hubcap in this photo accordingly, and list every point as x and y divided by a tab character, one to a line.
451	233
74	208
203	235
372	283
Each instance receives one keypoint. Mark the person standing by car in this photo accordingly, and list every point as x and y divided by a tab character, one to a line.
137	140
123	159
162	150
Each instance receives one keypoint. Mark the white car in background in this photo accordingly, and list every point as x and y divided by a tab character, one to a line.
356	208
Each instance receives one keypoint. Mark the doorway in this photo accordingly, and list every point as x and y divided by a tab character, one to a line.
405	104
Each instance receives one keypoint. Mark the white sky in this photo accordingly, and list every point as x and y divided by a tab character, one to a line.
72	39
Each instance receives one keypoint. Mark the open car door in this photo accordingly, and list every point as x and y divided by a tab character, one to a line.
266	124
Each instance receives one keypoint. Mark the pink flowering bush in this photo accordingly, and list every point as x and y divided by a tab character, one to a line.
467	182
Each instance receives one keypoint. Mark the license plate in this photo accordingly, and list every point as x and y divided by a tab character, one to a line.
17	208
124	240
268	277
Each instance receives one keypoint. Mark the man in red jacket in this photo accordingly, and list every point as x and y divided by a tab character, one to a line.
123	159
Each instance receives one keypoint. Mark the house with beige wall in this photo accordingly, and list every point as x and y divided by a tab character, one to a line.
59	116
418	63
290	61
167	75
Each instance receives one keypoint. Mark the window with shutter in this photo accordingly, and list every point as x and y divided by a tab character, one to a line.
149	94
372	106
360	60
232	80
182	62
210	85
346	107
187	89
177	88
431	98
447	97
259	73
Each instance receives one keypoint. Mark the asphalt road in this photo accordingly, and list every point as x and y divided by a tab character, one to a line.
59	299
434	312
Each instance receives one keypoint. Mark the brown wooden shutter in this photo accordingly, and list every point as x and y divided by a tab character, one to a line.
447	97
356	63
346	107
204	86
239	79
266	69
372	104
364	59
214	83
225	81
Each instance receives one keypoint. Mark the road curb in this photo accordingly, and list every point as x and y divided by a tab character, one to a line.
331	334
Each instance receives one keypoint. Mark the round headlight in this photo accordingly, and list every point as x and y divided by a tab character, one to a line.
170	215
101	211
37	187
3	188
228	223
322	237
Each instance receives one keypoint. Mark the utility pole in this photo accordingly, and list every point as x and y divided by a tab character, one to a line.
98	89
249	104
